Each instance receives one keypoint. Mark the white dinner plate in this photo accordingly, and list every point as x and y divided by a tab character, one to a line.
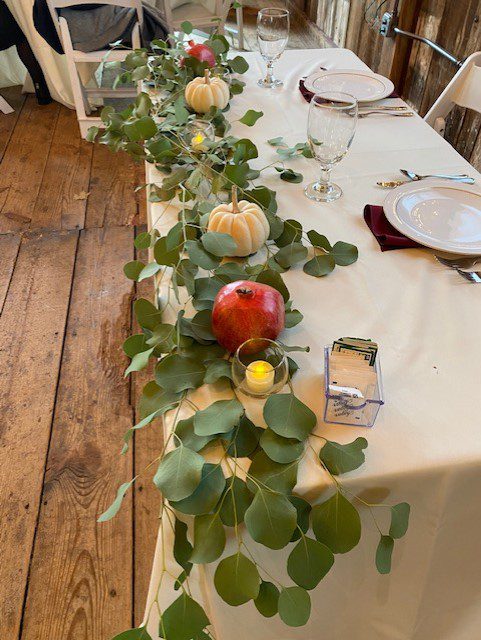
365	86
440	214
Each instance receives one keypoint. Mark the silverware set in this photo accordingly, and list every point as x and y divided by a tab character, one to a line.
368	110
465	267
413	177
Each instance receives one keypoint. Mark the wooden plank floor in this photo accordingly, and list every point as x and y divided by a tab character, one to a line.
68	217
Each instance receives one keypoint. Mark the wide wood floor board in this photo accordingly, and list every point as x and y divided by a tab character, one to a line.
31	338
9	245
63	193
24	162
80	585
15	98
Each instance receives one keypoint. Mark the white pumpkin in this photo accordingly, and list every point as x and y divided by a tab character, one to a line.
203	93
244	221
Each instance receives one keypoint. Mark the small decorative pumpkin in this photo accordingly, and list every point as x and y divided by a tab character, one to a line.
244	221
203	93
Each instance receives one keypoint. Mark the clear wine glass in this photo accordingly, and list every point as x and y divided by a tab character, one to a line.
272	36
330	131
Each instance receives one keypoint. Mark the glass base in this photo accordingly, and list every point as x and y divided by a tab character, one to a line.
269	83
323	191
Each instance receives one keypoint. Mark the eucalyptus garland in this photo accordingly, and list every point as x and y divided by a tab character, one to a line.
200	499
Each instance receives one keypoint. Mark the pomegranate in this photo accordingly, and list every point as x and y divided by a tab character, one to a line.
244	310
200	51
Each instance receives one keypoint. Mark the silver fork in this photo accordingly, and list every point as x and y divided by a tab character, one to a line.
470	276
395	114
464	264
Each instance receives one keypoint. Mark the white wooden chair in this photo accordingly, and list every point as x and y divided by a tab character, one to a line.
464	90
81	93
202	17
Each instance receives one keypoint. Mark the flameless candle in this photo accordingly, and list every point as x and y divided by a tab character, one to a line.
260	377
197	141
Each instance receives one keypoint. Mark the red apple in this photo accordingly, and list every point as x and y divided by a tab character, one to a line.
244	310
202	52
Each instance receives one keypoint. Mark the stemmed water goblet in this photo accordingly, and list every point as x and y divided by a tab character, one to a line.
272	36
330	131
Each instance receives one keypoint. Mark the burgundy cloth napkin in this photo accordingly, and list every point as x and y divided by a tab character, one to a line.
307	95
387	236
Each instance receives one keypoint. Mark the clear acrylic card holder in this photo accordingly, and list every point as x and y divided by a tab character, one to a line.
352	397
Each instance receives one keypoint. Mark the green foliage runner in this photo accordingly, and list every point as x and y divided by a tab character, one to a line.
207	503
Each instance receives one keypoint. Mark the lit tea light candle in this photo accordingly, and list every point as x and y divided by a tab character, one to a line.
197	141
260	376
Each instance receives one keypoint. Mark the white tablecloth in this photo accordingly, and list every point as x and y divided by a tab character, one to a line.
425	447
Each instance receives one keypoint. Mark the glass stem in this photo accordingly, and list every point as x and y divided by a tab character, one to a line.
325	178
270	72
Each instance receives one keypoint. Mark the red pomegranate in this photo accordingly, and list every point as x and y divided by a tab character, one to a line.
244	310
202	52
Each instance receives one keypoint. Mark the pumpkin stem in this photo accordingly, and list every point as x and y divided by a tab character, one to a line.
206	76
235	202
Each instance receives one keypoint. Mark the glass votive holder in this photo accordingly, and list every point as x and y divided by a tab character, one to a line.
260	368
198	134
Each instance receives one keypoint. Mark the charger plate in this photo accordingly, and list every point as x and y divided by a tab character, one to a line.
365	86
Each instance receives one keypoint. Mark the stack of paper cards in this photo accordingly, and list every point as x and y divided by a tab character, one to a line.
351	372
356	348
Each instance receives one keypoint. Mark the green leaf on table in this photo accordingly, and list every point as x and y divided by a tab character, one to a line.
143	240
199	256
274	280
293	317
384	554
294	606
244	439
185	275
155	400
178	373
216	370
289	175
344	253
291	254
271	519
336	523
292	233
179	473
140	129
201	324
109	513
209	538
163	338
399	520
148	271
320	265
184	429
244	150
187	27
276	142
238	64
250	117
237	174
220	417
341	458
235	501
183	619
303	509
139	633
139	361
207	494
267	600
206	289
318	240
135	344
309	562
163	256
281	449
264	197
182	546
287	416
264	472
180	112
230	272
205	353
237	580
219	244
147	314
133	269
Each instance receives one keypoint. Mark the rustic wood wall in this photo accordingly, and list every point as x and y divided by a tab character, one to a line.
421	73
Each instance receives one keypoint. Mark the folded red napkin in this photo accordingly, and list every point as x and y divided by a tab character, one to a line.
387	236
307	95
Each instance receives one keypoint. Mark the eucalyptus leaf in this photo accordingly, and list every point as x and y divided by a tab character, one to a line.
139	361
216	370
309	562
235	501
237	580
271	519
199	256
341	458
287	416
274	280
184	429
384	554
163	256
183	619
178	373
206	495
291	254
148	271
147	314
320	265
281	449
250	117
303	509
220	417
264	472
238	64
244	439
155	400
182	547
318	240
135	344
179	473
292	318
294	606
399	520
344	253
292	233
201	324
163	338
267	600
133	269
209	539
336	523
115	506
139	633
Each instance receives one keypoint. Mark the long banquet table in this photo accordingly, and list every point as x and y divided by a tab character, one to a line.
425	447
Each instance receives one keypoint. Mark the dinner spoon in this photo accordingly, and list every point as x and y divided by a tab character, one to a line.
460	177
